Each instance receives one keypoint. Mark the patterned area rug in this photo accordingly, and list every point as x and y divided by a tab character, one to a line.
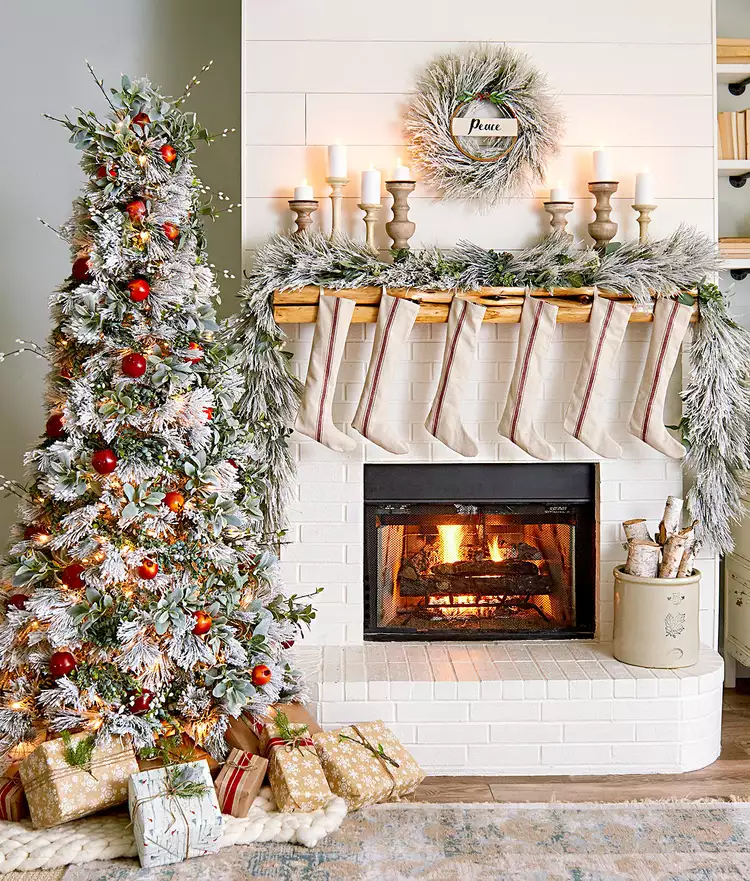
678	841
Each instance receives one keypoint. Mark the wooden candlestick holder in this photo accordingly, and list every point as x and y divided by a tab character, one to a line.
400	229
603	229
644	218
337	185
558	212
372	212
304	209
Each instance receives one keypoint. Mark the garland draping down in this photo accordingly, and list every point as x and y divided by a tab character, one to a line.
716	420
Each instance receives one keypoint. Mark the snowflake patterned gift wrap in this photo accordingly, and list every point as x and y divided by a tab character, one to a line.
366	764
175	813
57	791
294	771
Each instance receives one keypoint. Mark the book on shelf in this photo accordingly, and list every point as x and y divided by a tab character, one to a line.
734	134
736	247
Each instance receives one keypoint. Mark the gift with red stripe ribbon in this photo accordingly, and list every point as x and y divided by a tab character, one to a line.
239	781
13	804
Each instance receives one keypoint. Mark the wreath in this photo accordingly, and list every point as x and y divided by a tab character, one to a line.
501	94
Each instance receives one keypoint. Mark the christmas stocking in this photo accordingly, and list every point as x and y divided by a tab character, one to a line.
609	321
538	320
671	320
444	421
314	417
396	318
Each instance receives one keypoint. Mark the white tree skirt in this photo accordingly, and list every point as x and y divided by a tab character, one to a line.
109	837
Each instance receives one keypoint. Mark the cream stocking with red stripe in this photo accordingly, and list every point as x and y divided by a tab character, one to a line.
607	326
538	320
671	321
314	418
444	421
396	318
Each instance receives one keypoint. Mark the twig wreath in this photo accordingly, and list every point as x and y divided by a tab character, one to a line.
513	124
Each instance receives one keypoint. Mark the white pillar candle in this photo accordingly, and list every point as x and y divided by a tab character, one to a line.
602	166
401	172
371	187
644	188
559	193
303	193
337	160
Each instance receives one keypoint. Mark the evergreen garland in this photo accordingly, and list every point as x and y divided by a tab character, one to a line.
720	352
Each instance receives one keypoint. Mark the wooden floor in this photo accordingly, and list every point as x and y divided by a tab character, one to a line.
728	776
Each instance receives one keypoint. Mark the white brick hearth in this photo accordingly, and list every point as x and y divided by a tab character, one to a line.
523	707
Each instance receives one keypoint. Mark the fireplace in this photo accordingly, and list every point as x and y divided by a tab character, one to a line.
486	551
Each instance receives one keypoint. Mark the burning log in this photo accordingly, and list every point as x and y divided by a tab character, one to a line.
476	585
485	567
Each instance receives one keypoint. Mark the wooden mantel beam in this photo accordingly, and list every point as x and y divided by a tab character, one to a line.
503	304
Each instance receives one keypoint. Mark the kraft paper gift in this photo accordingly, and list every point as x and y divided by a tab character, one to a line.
366	764
57	792
12	797
294	770
170	824
239	781
184	751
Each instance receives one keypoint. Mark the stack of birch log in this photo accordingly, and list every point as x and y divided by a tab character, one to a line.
668	554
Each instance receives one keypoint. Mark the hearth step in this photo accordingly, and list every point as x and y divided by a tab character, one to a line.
561	707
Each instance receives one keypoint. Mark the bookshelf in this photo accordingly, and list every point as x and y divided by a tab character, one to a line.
733	95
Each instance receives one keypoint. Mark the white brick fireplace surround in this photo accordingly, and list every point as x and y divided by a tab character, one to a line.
318	73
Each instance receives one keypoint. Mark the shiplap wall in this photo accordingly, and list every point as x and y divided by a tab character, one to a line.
638	78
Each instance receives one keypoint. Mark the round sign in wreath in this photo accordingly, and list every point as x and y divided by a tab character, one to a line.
483	124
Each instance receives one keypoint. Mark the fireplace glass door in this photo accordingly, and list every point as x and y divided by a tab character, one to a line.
479	570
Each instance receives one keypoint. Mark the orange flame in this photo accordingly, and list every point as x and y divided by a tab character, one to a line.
451	539
497	553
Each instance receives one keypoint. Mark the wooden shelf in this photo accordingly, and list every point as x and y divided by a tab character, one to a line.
503	304
732	73
731	167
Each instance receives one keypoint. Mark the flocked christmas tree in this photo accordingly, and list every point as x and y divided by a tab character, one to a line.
142	593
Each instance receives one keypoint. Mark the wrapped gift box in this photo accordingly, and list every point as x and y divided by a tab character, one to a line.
366	764
239	781
184	751
294	770
13	804
241	734
170	825
57	792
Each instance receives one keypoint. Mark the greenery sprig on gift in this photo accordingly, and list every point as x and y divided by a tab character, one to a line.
79	754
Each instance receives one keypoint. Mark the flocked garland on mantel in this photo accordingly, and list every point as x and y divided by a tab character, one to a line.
716	413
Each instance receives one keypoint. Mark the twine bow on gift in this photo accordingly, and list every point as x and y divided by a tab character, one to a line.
379	753
175	789
290	736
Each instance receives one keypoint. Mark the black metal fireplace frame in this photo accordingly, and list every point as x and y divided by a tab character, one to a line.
570	484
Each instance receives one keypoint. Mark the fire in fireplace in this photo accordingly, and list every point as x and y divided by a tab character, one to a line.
479	551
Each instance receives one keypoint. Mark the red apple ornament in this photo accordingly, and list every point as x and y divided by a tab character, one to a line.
134	365
136	210
55	426
261	675
18	600
61	663
81	270
168	153
71	576
194	347
141	119
203	622
104	461
171	231
148	569
103	172
174	501
139	289
141	702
